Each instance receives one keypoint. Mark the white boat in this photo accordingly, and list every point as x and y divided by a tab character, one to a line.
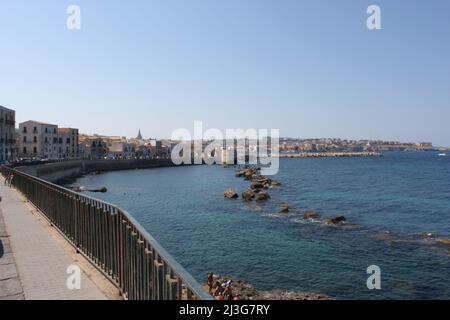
442	154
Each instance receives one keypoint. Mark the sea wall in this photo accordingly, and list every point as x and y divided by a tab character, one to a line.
59	171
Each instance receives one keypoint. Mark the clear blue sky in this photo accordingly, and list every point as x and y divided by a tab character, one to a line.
310	68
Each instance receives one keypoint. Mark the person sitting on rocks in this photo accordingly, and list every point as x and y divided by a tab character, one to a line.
218	289
210	281
228	293
227	283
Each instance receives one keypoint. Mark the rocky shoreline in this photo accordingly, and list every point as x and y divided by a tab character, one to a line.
246	291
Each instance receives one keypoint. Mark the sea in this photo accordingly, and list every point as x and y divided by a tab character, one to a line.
397	210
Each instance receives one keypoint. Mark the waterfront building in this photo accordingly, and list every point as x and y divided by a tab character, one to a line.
121	150
8	146
45	141
68	143
92	147
38	140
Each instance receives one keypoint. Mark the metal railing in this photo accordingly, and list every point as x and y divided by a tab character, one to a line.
111	240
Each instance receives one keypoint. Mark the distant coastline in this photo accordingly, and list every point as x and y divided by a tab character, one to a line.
329	154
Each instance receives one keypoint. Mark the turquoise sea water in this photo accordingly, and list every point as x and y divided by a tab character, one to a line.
389	202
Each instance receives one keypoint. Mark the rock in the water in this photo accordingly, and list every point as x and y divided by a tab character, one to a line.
311	215
443	241
102	190
262	196
240	173
230	194
275	183
256	185
284	208
336	220
248	195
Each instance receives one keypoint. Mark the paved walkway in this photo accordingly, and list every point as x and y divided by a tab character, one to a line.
10	286
42	257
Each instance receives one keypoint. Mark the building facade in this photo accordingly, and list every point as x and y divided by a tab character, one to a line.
93	148
45	141
8	146
121	150
68	143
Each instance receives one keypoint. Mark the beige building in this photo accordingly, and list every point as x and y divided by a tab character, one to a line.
8	147
92	147
45	141
68	143
121	150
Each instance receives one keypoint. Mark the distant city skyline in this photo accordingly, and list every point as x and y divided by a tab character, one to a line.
310	68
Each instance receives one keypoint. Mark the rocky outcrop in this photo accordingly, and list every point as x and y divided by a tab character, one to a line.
442	241
248	195
284	208
230	194
311	215
262	196
290	295
256	185
247	292
336	220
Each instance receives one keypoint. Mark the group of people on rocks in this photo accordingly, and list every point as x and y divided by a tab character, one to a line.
221	291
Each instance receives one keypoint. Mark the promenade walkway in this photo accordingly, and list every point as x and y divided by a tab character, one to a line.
35	257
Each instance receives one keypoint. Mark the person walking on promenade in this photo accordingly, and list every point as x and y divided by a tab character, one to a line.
7	178
11	180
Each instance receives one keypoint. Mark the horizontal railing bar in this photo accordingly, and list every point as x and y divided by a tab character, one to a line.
118	253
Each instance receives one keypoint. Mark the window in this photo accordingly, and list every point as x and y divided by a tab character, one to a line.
46	140
34	130
34	139
25	150
24	129
34	150
68	140
25	139
46	130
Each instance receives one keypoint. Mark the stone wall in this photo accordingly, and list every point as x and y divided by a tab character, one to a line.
59	171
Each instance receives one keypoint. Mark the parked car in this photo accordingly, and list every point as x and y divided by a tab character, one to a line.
5	163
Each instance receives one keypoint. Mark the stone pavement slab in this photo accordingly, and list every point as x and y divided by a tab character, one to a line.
42	257
10	286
